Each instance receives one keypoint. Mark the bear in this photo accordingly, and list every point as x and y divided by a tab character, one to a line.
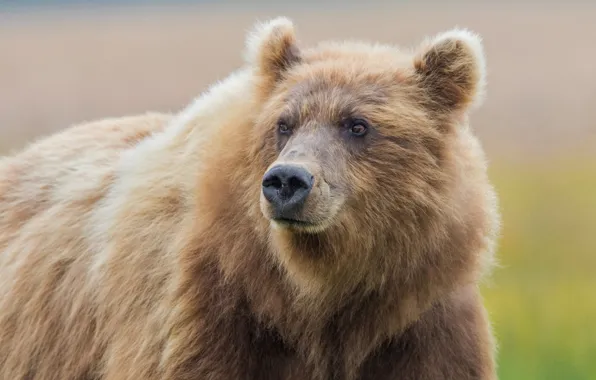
321	213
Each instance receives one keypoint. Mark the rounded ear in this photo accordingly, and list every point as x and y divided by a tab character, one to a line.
271	49
451	69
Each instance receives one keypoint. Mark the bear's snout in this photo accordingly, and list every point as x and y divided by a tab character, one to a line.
286	188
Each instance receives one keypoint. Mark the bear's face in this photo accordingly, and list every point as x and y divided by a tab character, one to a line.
351	141
357	142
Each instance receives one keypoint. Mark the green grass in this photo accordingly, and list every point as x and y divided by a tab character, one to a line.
542	300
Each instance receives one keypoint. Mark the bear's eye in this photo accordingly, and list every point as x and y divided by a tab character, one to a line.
358	127
283	127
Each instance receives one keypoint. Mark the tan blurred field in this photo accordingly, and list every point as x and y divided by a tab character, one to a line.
72	66
538	125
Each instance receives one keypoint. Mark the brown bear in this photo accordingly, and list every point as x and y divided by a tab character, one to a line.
322	213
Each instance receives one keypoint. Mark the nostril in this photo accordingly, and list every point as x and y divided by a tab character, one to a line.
272	181
297	183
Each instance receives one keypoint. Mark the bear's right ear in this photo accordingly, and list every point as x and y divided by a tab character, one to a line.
271	49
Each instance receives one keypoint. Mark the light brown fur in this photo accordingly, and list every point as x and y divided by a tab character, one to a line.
141	248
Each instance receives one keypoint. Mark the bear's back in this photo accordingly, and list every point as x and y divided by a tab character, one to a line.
68	169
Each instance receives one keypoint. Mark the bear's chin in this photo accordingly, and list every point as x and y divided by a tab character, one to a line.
298	226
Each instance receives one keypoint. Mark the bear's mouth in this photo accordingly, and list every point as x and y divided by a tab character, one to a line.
293	222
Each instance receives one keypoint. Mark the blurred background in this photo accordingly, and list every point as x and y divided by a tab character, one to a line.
66	62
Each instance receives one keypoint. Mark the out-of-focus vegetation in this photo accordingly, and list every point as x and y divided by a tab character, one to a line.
542	299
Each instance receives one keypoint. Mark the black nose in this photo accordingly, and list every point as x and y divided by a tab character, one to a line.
286	187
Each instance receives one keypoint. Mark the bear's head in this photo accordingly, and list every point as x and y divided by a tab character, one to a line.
370	172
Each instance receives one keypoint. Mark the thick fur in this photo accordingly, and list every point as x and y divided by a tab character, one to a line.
141	247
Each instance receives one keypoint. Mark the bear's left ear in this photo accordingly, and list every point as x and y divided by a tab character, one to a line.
271	49
451	70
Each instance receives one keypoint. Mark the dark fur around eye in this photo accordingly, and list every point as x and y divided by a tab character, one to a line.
357	127
283	131
283	127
